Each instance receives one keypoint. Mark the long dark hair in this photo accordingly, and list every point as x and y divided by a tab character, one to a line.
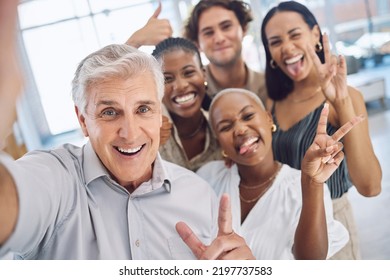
279	85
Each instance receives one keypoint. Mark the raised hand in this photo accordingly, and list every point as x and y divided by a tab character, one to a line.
325	153
227	246
332	74
153	32
10	74
165	130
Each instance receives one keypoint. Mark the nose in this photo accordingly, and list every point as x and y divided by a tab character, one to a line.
240	129
180	84
287	47
128	128
219	36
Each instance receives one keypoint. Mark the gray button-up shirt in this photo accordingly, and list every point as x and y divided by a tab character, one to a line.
70	208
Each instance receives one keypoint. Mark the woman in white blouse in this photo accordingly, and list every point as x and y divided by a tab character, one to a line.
283	213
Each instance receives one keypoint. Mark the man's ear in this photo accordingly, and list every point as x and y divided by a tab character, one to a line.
81	120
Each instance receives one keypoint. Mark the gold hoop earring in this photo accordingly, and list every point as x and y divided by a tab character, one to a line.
318	47
273	127
224	154
273	64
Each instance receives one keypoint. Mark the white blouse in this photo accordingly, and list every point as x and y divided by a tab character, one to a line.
270	226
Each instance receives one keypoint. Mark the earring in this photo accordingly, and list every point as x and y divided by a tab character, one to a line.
273	127
273	64
224	154
206	85
318	47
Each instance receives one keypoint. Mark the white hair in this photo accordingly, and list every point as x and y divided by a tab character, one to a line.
226	91
114	61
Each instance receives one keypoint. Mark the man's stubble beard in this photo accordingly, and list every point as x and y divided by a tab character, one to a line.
227	63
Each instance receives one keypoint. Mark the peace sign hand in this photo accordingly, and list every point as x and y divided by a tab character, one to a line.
325	153
332	74
227	246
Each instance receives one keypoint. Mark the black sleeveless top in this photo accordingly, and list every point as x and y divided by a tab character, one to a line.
290	146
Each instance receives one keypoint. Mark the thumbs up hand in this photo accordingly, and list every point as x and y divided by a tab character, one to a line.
154	31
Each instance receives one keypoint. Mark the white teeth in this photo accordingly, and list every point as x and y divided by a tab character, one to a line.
294	59
129	151
250	141
184	98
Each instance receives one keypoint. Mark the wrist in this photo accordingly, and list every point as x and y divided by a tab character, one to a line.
134	41
343	104
309	182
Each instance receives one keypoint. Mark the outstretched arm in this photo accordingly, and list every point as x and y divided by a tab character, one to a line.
320	161
10	88
227	246
9	206
363	166
154	31
10	75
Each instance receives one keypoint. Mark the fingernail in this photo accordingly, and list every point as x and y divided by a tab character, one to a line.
329	149
325	159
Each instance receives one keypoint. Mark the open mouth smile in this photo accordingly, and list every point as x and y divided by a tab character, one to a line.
131	151
183	99
250	144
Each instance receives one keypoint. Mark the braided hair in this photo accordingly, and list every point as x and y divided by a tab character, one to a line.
174	44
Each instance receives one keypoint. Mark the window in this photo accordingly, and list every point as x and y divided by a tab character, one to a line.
57	34
55	37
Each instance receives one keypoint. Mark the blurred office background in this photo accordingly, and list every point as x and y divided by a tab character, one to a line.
56	34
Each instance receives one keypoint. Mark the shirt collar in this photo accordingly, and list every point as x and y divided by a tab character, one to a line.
160	178
92	166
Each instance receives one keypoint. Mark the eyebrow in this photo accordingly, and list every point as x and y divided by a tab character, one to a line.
146	102
105	103
242	110
111	102
185	67
289	32
208	28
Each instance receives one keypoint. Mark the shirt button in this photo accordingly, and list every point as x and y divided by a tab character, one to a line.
137	243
